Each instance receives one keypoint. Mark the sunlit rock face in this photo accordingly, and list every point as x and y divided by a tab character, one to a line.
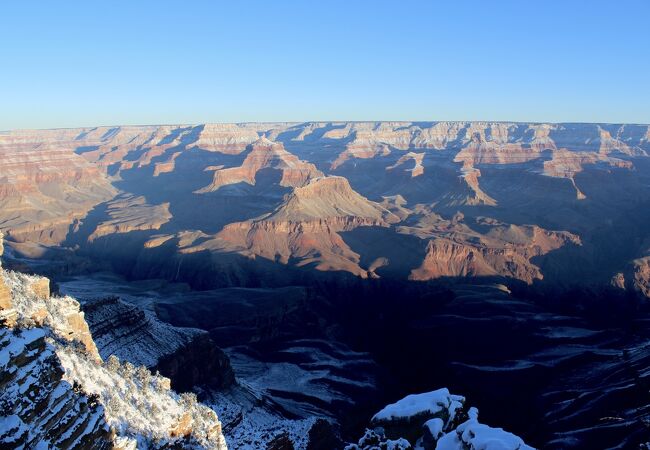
7	313
265	154
290	194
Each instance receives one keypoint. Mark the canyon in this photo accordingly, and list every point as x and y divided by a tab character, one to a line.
291	193
298	277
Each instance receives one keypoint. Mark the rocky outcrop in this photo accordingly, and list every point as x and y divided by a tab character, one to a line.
329	198
368	140
434	420
185	355
618	280
139	406
39	406
410	163
405	418
225	138
34	304
640	276
198	362
7	312
455	250
166	166
446	258
305	227
476	195
57	393
265	154
566	164
126	214
131	333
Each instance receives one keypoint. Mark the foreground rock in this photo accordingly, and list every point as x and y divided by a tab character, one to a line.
434	420
58	393
41	406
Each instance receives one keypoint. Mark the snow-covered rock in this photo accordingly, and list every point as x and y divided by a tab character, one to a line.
404	418
430	403
7	312
140	407
376	439
477	436
61	314
435	420
186	355
57	393
39	408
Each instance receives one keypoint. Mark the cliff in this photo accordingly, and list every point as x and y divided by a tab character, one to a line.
57	391
185	355
40	407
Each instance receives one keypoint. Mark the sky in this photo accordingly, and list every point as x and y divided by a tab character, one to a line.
74	63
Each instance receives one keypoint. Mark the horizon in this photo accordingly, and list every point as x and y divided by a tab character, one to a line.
157	63
292	122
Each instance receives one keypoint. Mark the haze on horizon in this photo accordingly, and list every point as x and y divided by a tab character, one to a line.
80	64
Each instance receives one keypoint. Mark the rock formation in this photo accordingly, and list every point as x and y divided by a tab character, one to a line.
455	250
265	154
60	188
44	187
185	355
434	420
39	405
409	158
126	214
57	392
640	276
7	311
306	226
225	138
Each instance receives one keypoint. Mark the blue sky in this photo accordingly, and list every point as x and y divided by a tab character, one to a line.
72	63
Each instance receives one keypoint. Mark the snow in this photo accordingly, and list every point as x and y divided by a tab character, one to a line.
13	424
17	344
376	439
54	311
248	425
132	333
434	402
435	426
443	429
139	405
325	373
477	436
398	444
